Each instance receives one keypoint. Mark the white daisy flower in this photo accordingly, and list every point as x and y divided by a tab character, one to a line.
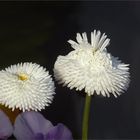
89	66
26	86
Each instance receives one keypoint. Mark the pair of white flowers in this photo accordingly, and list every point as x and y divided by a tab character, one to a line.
28	86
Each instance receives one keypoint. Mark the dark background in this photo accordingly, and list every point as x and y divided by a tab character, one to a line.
38	32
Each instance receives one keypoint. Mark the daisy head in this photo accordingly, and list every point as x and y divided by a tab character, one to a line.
89	66
26	86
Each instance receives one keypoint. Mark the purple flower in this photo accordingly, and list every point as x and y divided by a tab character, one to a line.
6	128
33	126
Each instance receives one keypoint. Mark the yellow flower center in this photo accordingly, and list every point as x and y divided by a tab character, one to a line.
23	77
94	50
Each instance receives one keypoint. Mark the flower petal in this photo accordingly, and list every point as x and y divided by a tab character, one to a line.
90	67
39	136
6	128
29	124
26	86
59	132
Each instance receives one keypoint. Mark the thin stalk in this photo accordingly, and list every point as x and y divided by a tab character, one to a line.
86	118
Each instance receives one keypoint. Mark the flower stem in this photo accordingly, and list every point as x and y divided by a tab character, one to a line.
86	117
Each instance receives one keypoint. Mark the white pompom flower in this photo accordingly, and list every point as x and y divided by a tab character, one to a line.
26	86
89	66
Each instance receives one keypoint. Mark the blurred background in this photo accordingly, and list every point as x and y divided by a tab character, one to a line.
38	32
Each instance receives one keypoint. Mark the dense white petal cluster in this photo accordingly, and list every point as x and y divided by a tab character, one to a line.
89	66
26	86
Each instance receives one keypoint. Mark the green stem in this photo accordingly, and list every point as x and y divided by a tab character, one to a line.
86	118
